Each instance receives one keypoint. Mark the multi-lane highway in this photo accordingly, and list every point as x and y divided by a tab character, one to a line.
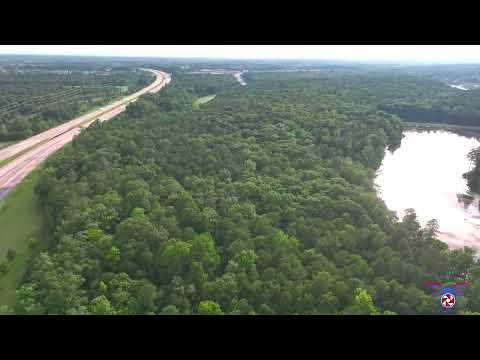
29	153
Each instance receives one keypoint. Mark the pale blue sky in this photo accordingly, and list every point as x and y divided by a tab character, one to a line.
423	53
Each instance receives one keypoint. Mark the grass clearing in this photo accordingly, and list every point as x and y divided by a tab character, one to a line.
7	143
20	219
203	100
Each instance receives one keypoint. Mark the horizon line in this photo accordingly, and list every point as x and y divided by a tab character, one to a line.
386	61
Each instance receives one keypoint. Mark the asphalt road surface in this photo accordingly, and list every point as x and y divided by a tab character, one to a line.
37	148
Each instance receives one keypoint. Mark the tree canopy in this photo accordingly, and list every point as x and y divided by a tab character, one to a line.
260	202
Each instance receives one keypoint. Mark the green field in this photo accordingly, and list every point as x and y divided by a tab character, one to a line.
20	220
203	100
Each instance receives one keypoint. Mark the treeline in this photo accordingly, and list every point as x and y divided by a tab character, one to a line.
459	108
411	95
473	176
261	202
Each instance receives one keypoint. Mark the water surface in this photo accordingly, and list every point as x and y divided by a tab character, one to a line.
425	173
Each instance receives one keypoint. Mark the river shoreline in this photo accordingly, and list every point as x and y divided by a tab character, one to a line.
463	130
425	173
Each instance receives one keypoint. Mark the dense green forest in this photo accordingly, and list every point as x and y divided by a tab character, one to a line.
260	201
35	97
412	95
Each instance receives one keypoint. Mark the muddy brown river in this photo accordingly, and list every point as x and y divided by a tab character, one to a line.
425	173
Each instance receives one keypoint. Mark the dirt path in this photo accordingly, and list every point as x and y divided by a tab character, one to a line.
53	139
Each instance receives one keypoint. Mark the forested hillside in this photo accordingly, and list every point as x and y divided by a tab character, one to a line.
260	201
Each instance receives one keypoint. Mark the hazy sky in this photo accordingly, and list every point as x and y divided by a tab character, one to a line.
424	53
